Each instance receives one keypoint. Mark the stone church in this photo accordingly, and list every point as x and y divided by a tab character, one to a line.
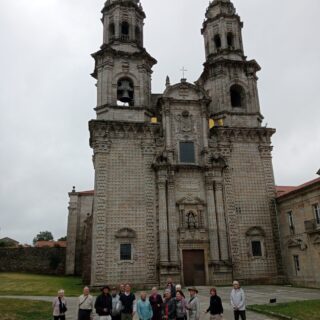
184	184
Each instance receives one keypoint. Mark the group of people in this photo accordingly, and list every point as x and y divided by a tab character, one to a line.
114	304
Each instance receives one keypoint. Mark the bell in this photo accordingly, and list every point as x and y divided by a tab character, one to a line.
125	97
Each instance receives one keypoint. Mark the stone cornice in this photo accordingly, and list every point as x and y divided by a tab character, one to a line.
262	135
107	50
102	130
127	4
218	17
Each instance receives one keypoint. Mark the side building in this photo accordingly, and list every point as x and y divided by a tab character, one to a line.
299	220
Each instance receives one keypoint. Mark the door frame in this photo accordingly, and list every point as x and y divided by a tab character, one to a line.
206	269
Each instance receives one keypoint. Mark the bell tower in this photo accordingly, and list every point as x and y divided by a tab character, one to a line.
123	67
228	78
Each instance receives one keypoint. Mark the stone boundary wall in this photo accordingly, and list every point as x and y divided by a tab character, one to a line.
49	261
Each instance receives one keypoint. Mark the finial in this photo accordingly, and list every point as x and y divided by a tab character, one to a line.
167	81
73	189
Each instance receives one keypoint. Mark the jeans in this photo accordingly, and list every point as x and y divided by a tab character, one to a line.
238	314
59	317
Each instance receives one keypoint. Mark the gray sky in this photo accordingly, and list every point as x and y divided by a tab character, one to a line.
47	95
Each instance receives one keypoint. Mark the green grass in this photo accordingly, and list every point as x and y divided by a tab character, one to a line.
18	284
25	310
301	310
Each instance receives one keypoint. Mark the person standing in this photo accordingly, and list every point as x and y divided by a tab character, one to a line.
156	303
127	300
121	287
169	311
85	305
116	305
238	301
172	287
179	288
181	306
59	306
215	308
193	305
144	309
103	304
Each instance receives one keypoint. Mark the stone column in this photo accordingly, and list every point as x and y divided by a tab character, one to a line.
72	234
212	220
172	219
163	219
223	238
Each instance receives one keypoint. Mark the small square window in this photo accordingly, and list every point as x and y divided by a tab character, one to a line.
187	153
256	248
125	251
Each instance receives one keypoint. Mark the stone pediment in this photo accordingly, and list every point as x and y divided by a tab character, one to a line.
126	233
185	91
255	232
190	200
297	243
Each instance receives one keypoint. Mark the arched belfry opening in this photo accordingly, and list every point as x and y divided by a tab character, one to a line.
237	96
125	92
230	40
125	29
112	31
217	41
138	35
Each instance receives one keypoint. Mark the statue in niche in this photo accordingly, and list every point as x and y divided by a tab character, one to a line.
191	220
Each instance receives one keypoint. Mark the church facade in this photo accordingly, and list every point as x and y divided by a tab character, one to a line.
184	184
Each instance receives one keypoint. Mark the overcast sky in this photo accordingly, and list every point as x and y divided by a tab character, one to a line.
47	95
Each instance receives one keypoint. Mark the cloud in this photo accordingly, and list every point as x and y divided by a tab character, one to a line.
47	95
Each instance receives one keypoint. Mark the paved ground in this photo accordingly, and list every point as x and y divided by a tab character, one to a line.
255	295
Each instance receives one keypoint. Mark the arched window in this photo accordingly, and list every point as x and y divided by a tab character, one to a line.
125	30
125	92
230	40
138	34
217	41
112	30
237	96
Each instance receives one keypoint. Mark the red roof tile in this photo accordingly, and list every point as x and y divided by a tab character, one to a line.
284	190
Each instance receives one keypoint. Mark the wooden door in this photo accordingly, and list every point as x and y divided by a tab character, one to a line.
194	268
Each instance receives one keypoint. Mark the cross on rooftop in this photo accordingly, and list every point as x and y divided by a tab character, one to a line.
183	70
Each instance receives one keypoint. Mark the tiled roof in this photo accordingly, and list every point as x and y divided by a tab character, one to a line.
285	190
84	193
51	244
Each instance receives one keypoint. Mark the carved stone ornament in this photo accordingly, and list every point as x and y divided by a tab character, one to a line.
293	243
126	233
185	122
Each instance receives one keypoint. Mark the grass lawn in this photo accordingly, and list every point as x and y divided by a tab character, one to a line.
24	310
20	284
302	310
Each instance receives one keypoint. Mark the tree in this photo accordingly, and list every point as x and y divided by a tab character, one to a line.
63	238
43	236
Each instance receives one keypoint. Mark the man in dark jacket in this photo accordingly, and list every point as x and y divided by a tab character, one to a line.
169	307
103	303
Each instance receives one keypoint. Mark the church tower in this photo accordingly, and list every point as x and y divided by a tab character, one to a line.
228	77
122	139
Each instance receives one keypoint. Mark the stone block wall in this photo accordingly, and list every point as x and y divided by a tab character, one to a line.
49	261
